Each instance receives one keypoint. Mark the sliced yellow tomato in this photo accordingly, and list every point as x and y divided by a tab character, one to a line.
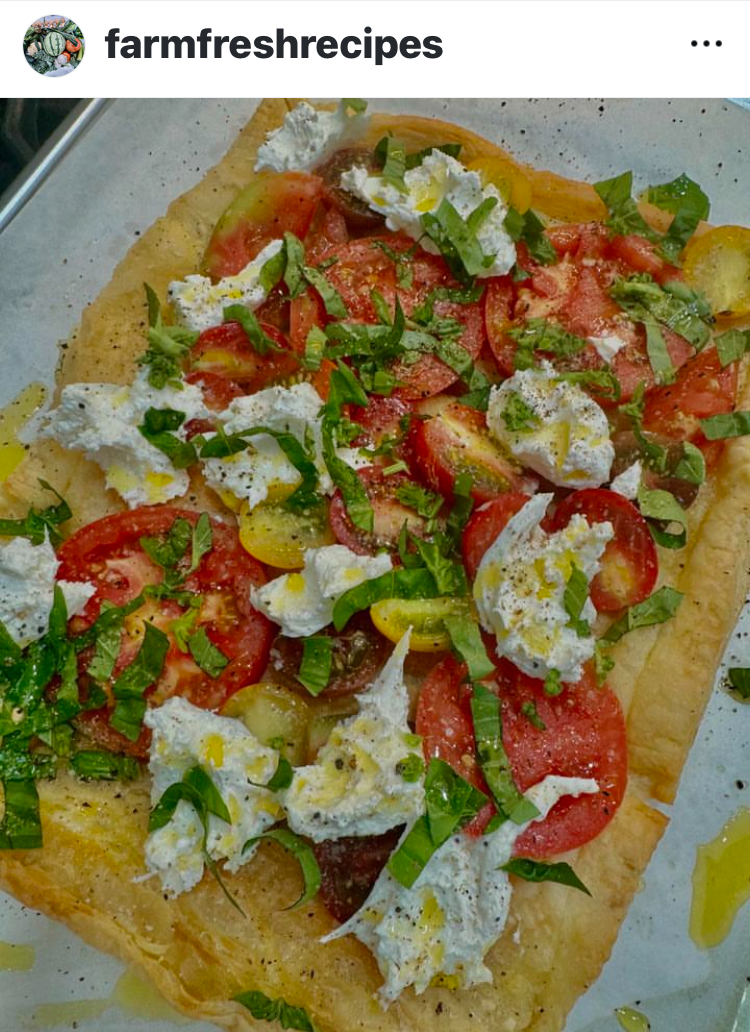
425	616
506	177
275	715
279	537
718	264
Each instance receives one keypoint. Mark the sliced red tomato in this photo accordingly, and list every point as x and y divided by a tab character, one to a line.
328	228
486	524
273	204
702	389
359	654
630	565
454	439
349	868
218	392
362	266
584	737
389	515
305	312
357	213
380	419
225	351
108	553
640	254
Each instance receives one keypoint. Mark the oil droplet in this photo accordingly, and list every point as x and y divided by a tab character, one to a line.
632	1020
12	418
15	957
138	997
721	882
50	1015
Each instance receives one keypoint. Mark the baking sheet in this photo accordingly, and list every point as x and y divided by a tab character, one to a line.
114	183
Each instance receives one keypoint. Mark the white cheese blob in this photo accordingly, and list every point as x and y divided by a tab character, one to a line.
27	588
101	420
520	589
566	435
355	786
439	177
185	736
308	137
455	911
250	474
629	481
607	346
302	603
199	304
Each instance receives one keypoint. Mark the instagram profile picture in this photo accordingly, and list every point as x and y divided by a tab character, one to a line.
53	45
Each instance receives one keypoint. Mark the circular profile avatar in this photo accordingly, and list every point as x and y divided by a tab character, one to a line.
53	45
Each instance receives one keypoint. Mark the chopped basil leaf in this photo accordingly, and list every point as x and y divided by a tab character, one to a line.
393	157
739	680
261	342
282	776
664	508
463	504
167	551
208	656
104	766
529	710
493	759
456	239
656	609
303	853
131	684
540	335
196	788
624	217
157	428
574	600
411	768
726	424
689	205
353	105
691	465
168	346
552	684
401	260
467	643
39	523
537	871
107	647
202	541
263	1008
184	625
603	664
21	826
530	229
315	347
732	345
356	499
449	577
599	381
425	503
17	764
658	355
673	304
401	583
518	417
453	150
450	802
332	300
317	660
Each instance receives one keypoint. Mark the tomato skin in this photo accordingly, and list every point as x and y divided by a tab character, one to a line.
454	440
389	514
273	204
305	312
226	351
380	419
640	254
630	563
485	524
702	389
108	553
328	228
218	393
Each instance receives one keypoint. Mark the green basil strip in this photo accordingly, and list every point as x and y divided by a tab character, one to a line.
624	217
599	381
656	609
17	764
39	523
574	599
36	669
530	228
692	464
732	345
106	650
426	504
493	759
603	664
353	105
21	826
739	680
518	417
130	686
463	505
453	150
196	788
167	551
658	355
536	871
450	802
356	499
202	541
315	348
418	583
467	643
332	300
168	346
662	506
317	660
282	776
262	344
303	853
263	1008
157	428
541	335
726	424
689	204
457	241
104	766
677	306
393	157
208	656
449	577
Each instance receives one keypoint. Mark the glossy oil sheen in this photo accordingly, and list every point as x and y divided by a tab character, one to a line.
632	1020
721	881
15	414
16	957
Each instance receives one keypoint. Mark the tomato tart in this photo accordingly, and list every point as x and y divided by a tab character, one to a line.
365	582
